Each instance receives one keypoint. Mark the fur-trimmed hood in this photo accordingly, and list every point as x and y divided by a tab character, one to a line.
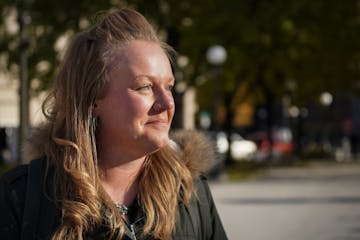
197	149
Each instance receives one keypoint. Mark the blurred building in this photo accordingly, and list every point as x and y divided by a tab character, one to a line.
9	116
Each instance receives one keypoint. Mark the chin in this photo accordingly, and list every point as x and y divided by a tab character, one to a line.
158	142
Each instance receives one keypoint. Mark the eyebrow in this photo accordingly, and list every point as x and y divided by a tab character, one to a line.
171	79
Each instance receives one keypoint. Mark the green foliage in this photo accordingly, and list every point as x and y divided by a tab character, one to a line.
313	43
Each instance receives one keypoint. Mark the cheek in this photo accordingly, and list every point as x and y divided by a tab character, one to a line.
172	108
137	107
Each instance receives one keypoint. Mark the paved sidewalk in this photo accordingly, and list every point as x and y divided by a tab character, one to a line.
320	201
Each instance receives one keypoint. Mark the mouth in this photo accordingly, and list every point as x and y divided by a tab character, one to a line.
158	122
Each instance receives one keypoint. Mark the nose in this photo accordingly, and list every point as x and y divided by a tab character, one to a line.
164	101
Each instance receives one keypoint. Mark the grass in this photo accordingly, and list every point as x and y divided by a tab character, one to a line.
244	170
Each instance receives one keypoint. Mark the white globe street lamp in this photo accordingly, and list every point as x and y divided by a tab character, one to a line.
326	99
216	55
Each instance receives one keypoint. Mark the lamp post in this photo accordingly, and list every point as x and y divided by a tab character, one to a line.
326	99
216	55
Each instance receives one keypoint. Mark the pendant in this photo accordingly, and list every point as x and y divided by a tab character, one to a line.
122	208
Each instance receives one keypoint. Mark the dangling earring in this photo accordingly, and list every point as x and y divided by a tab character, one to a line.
93	125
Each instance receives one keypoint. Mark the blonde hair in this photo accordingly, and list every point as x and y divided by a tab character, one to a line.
68	140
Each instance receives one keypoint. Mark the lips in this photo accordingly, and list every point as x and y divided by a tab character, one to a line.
158	121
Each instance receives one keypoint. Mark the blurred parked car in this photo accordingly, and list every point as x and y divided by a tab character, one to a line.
255	147
242	149
282	144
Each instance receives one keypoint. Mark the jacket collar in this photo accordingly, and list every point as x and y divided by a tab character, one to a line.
196	148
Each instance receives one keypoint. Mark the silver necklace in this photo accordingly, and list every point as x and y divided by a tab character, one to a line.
122	208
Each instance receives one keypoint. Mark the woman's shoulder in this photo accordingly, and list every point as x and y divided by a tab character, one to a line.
22	202
15	176
202	189
12	197
19	173
13	183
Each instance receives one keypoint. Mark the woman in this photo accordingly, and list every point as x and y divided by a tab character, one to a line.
106	166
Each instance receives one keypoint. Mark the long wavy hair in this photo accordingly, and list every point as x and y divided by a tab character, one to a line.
68	141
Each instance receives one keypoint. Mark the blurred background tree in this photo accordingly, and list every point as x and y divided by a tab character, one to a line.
314	43
275	48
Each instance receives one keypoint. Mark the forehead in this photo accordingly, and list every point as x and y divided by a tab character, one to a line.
136	60
140	53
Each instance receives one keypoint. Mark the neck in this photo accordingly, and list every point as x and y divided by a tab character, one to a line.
119	177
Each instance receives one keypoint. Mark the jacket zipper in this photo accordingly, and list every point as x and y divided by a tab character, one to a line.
133	231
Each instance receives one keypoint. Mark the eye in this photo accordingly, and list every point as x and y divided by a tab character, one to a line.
144	88
170	88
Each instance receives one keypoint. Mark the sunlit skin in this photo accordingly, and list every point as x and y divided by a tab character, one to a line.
135	113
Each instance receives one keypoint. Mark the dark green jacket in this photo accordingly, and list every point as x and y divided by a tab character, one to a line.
27	213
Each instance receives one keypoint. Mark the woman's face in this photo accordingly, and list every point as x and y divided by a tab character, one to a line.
136	111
